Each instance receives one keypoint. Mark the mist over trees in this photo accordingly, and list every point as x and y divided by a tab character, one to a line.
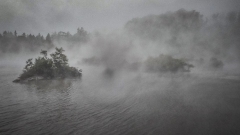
166	63
11	42
157	27
190	35
48	68
209	42
81	36
214	63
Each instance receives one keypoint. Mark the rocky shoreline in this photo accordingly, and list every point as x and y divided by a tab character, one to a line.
40	78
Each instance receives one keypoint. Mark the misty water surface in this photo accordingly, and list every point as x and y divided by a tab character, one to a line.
123	103
126	87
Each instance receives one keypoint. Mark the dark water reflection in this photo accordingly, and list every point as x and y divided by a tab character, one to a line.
139	106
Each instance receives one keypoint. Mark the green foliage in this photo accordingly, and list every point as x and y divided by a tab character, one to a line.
166	63
57	66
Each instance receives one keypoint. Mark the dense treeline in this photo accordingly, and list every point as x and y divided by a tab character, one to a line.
81	36
190	34
12	42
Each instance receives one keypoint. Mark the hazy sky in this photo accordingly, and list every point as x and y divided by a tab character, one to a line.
33	16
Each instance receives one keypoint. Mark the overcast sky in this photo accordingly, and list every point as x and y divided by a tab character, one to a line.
34	16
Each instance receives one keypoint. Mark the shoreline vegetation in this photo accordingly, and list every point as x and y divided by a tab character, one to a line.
45	68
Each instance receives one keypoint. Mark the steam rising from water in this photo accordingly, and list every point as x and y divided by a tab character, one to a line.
210	44
115	87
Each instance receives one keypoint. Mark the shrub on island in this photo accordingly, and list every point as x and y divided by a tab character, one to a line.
49	68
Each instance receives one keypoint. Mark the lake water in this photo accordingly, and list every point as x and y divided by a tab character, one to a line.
119	104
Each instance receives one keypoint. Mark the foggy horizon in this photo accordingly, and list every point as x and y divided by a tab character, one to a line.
119	67
61	15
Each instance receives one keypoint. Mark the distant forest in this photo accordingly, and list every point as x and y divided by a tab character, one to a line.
186	34
190	34
11	42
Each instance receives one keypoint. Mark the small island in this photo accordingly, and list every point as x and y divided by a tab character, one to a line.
166	63
45	68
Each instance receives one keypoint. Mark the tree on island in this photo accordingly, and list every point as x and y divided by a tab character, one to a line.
44	53
49	68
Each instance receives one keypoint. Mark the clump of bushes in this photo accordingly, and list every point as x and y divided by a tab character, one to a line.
215	63
166	63
48	68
